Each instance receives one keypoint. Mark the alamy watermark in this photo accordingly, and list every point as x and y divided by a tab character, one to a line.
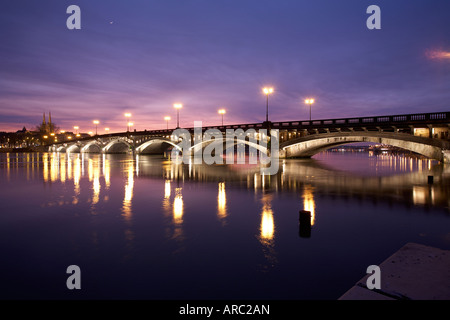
74	280
374	280
250	146
74	20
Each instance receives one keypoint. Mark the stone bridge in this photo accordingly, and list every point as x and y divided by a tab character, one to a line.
426	134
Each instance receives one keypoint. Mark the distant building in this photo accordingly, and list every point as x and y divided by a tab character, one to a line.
47	127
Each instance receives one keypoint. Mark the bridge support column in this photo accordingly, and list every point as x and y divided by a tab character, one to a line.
446	156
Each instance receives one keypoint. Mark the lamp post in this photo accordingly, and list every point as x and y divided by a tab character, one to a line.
178	106
96	122
130	124
127	115
267	91
310	102
76	128
167	118
222	112
106	130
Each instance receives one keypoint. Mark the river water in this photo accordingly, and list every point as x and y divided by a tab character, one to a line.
143	227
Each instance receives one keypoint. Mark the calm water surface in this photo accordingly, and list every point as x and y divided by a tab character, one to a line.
145	228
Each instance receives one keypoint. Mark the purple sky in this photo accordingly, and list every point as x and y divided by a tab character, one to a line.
142	56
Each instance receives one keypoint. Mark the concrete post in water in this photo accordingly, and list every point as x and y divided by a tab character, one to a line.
304	224
430	179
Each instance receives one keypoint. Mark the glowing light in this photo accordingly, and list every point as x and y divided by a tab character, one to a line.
69	168
178	207
130	184
308	202
54	170
167	189
106	172
221	201
77	174
126	208
267	228
62	173
310	102
420	195
267	225
267	90
45	171
178	106
95	181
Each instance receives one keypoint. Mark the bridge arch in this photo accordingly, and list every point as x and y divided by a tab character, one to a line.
117	146
156	146
92	147
204	143
308	146
74	148
61	149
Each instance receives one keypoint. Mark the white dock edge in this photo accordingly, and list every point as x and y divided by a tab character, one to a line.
415	272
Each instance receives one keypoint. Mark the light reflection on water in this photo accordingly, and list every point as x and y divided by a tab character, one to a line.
148	196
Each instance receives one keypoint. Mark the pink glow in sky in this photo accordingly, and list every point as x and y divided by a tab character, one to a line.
438	54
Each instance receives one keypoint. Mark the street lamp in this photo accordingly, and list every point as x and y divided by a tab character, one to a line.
167	121
96	122
222	112
76	128
267	91
128	115
130	124
106	130
178	106
310	102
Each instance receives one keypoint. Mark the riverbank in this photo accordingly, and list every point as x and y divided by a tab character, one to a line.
23	150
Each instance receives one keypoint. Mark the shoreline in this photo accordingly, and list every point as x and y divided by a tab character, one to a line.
19	150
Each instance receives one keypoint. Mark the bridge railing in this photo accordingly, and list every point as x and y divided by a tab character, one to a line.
424	118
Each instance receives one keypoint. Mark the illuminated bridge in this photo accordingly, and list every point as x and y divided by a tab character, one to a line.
424	133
